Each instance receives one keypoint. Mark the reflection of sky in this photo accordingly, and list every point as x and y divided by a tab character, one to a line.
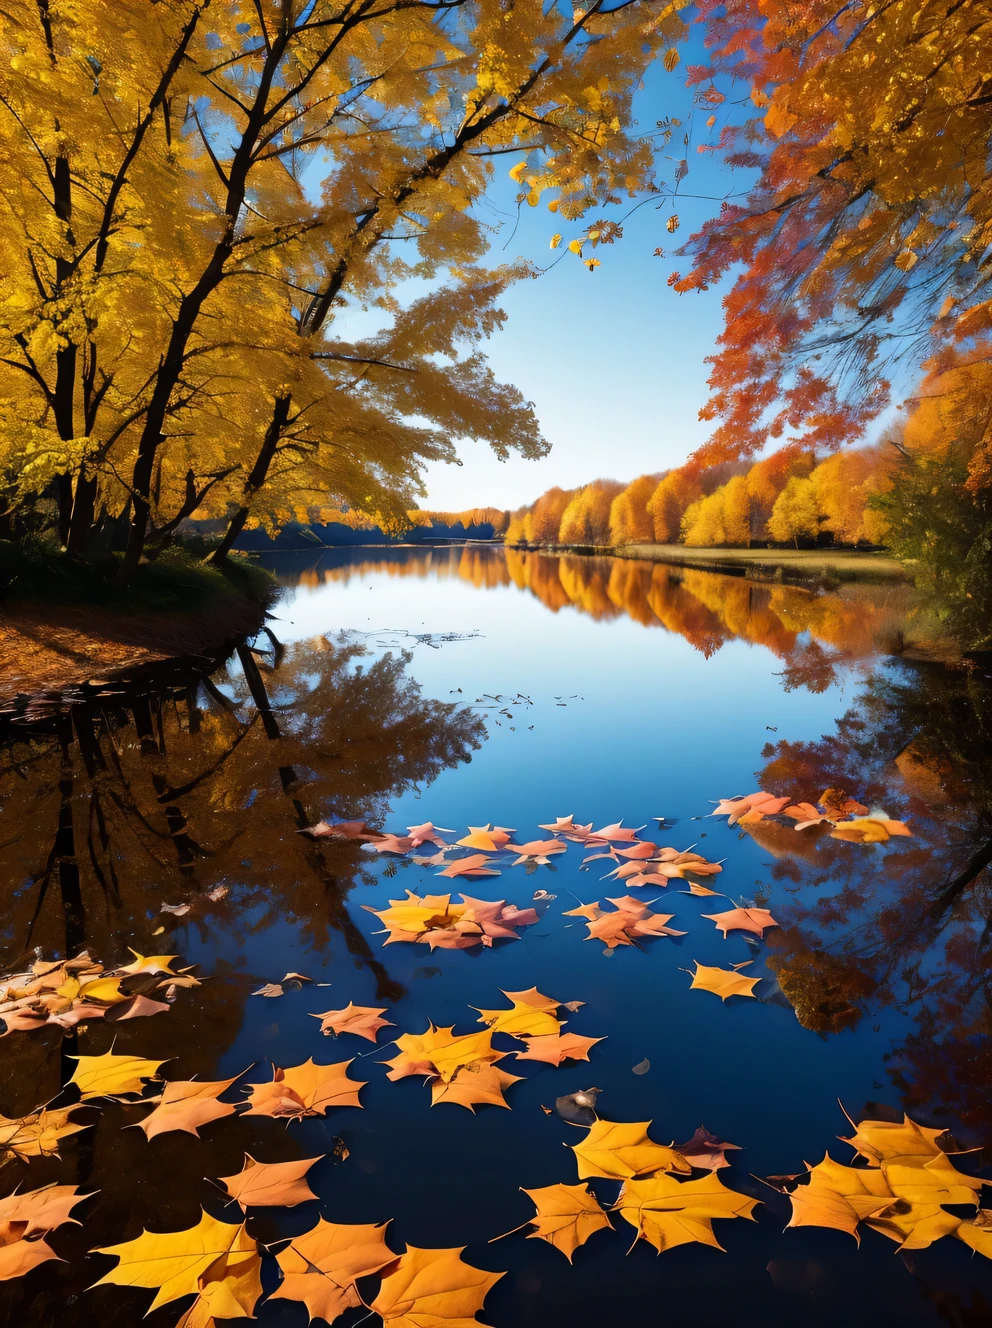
659	729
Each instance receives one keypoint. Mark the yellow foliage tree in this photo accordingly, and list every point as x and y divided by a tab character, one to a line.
586	519
844	484
796	514
172	277
543	522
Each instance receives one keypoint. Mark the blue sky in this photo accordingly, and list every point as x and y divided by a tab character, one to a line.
613	360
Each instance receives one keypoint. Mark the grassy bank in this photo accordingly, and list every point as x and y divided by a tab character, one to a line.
802	566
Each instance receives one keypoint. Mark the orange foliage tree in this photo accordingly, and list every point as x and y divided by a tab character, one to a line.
630	521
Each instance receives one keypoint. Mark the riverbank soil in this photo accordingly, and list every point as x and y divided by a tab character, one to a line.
53	647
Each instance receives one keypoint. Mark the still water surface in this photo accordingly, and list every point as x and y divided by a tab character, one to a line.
465	686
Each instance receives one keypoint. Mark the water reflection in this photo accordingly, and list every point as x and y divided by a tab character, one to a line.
910	928
115	808
810	630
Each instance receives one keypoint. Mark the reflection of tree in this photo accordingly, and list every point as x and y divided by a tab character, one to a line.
811	631
164	798
908	925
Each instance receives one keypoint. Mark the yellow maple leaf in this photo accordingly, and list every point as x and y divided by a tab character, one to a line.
619	1149
567	1215
522	1019
320	1267
723	982
432	1287
111	1074
217	1261
667	1212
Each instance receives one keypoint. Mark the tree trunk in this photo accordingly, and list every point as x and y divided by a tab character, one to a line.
259	473
83	509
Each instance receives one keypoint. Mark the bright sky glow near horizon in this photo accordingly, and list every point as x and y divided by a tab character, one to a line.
613	360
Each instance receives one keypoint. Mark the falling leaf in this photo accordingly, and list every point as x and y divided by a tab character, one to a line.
38	1134
672	224
186	1104
216	1261
271	1184
724	982
755	920
362	1020
111	1074
320	1268
431	1288
618	1149
555	241
667	1212
567	1215
305	1090
671	59
555	1049
705	1150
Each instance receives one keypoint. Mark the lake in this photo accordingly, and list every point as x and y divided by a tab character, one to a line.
469	687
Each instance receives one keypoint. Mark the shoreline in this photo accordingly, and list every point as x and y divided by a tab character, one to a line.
59	650
801	566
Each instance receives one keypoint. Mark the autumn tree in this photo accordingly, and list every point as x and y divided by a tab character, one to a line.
796	514
586	519
845	485
193	193
863	238
630	521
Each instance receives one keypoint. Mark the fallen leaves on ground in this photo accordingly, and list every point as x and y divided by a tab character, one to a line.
437	922
33	1213
667	1212
67	991
218	1262
724	982
271	1184
754	920
532	1019
620	1149
567	1215
39	1132
903	1192
362	1020
186	1104
320	1268
304	1090
630	920
431	1288
112	1074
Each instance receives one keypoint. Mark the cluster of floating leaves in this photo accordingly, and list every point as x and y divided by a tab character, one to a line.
70	992
669	1194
